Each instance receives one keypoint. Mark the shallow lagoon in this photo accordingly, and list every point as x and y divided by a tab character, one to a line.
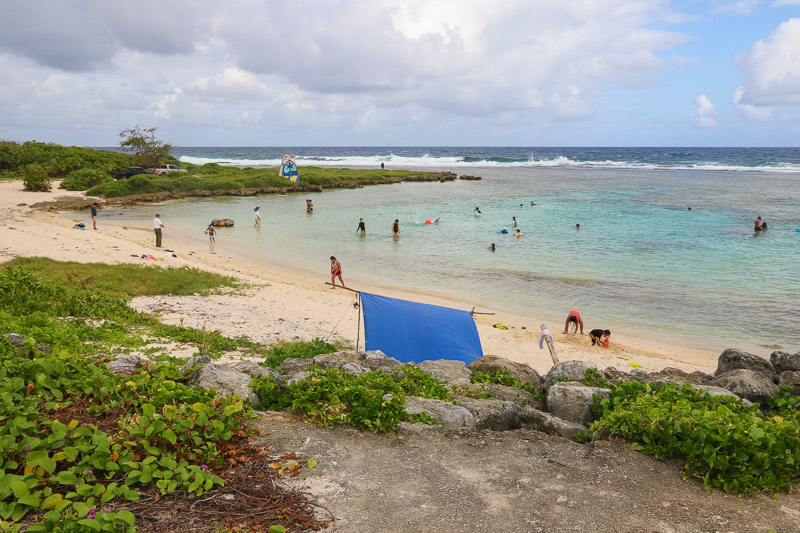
641	262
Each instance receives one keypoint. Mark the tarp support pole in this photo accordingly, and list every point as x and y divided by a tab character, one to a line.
358	333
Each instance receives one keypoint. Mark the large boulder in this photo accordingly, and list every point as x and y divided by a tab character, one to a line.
496	415
349	362
546	423
253	369
292	365
572	401
748	384
452	416
227	381
489	364
453	372
222	223
784	361
196	362
678	376
572	370
790	378
733	359
377	360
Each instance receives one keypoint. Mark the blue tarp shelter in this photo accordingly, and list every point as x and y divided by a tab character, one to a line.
413	332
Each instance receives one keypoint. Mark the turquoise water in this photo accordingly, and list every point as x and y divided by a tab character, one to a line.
641	262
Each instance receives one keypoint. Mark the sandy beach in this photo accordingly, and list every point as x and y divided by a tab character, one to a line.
288	304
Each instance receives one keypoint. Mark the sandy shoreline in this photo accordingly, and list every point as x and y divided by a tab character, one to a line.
288	305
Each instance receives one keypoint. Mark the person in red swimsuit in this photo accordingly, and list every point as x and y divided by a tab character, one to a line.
575	318
336	271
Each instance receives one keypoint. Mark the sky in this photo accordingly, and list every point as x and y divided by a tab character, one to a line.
403	73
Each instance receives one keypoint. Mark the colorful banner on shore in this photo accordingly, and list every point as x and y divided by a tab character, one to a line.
289	168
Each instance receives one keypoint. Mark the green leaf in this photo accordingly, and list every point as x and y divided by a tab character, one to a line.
311	464
31	500
148	409
277	529
169	436
130	495
127	517
91	524
51	501
20	489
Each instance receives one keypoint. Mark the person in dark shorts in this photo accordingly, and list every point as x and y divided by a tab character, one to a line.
757	224
396	228
93	211
361	227
575	319
600	337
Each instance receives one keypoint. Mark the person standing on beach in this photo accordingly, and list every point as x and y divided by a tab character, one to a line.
157	225
361	227
382	167
257	216
212	234
93	212
336	271
575	319
396	228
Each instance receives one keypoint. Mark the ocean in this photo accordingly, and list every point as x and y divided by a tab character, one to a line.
666	246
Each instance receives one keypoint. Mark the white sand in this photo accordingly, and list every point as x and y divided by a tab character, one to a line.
284	305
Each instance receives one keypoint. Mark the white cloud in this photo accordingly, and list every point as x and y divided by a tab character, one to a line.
749	111
703	116
786	3
739	7
772	68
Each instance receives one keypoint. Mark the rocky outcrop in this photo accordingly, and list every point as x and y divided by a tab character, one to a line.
349	362
783	362
127	364
227	381
20	350
497	415
733	359
451	416
790	378
572	370
469	178
546	423
196	362
572	401
222	223
452	372
377	360
292	365
489	364
748	384
253	369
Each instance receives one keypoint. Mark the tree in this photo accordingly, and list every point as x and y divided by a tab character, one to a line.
148	151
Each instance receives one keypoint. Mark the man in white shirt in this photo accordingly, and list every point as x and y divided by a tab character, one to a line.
157	225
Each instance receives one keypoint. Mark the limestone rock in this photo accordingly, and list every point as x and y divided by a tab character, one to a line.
573	370
222	223
616	376
453	416
196	361
547	423
127	364
226	380
18	342
253	369
292	365
489	364
783	361
719	391
497	415
748	384
790	378
453	372
572	401
377	360
733	359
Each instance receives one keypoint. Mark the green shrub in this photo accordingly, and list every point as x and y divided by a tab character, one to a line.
331	397
502	377
724	443
80	180
35	178
296	350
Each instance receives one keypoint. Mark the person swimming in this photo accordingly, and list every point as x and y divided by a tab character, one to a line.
518	233
491	248
577	226
477	210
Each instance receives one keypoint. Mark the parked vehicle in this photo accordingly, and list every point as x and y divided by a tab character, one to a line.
132	171
163	170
